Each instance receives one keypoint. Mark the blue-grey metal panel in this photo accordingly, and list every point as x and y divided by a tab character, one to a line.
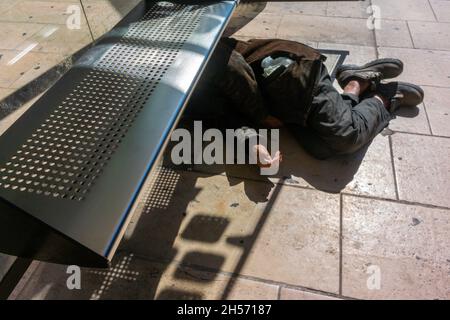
73	164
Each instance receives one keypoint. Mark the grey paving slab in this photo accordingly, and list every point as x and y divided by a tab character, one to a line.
430	35
130	277
394	33
306	8
411	119
294	294
437	101
53	39
348	9
405	9
327	29
5	5
238	225
368	172
18	67
103	15
15	34
394	251
264	25
357	54
441	9
422	168
422	67
298	244
36	39
56	12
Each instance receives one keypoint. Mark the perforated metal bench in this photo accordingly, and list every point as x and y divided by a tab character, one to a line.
72	166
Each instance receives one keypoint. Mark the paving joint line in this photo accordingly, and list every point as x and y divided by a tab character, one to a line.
32	22
87	21
197	267
374	33
425	205
405	202
352	17
410	35
394	173
428	118
421	134
432	10
446	51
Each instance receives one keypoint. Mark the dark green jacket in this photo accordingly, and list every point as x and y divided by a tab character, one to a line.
287	95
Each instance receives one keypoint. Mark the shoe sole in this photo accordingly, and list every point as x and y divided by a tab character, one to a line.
393	68
417	92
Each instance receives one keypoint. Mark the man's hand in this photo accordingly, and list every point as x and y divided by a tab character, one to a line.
264	159
272	123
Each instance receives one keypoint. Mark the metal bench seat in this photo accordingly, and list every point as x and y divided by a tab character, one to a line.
72	166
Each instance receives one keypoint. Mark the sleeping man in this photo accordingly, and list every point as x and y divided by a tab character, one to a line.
273	83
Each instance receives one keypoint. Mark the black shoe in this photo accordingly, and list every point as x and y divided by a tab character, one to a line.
401	94
374	71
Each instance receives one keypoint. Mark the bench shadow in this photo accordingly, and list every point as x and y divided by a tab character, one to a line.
154	232
148	263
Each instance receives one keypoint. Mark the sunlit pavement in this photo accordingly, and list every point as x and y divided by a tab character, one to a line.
373	225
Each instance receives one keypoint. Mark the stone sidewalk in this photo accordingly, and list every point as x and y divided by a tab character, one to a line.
320	229
35	36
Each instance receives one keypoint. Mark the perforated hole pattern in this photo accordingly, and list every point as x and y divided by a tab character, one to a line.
68	152
160	189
